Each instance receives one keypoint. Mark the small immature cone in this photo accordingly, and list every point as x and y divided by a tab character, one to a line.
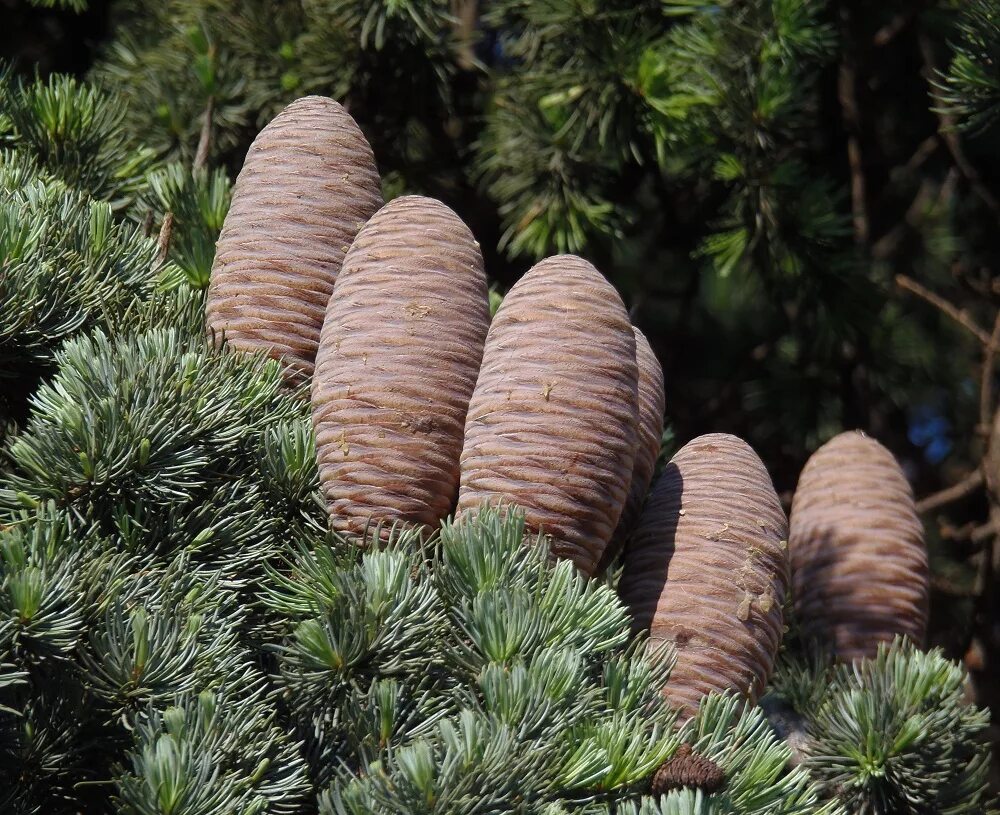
651	406
707	569
552	422
307	186
859	565
397	362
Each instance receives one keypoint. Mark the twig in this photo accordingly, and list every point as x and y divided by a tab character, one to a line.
966	486
847	94
927	148
949	132
897	24
984	284
946	586
960	316
466	16
987	571
889	242
163	240
986	384
984	532
205	139
969	532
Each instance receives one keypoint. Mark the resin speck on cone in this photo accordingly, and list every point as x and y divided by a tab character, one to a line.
859	564
398	359
707	570
552	424
651	406
307	186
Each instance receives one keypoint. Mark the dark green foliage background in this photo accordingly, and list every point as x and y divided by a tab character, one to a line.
751	175
723	216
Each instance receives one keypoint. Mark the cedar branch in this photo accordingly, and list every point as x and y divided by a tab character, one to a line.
966	486
205	139
986	385
163	241
897	25
960	316
949	131
847	94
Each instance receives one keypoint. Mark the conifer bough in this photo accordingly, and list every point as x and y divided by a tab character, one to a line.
397	362
651	406
552	422
307	186
859	565
707	569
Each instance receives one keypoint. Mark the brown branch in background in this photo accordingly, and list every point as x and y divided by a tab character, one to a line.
847	94
966	486
945	586
960	316
205	139
976	533
466	14
163	240
897	24
980	282
916	213
949	131
927	148
948	188
885	246
988	565
986	382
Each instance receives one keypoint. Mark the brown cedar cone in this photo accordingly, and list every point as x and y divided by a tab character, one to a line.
397	362
307	186
707	569
651	406
552	422
685	768
859	566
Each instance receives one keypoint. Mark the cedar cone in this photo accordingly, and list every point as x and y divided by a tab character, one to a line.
859	565
651	406
552	422
707	569
397	362
307	186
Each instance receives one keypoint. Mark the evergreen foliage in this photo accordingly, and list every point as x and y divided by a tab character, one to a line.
75	132
68	266
891	734
686	148
972	82
179	633
241	62
138	626
197	201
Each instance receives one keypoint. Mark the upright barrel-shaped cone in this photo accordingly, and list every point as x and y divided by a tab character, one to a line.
859	565
397	362
552	422
307	186
651	404
707	569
